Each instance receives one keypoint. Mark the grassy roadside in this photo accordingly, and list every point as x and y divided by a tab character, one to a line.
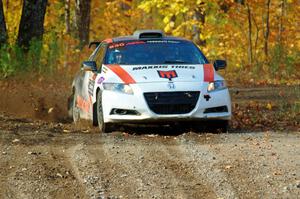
266	108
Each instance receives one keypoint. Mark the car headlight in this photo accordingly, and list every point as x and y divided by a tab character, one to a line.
123	88
216	85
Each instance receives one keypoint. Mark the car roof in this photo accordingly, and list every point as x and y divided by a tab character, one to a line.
140	35
144	35
132	38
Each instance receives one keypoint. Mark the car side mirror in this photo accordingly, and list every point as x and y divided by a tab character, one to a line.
220	64
89	66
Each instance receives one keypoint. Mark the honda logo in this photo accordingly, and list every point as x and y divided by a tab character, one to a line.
167	74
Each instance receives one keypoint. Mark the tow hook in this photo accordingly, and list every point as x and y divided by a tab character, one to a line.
207	97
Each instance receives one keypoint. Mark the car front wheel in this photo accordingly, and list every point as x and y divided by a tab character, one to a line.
100	119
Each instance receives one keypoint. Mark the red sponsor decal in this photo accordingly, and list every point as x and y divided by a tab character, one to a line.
94	77
83	104
135	43
122	44
123	74
108	41
167	74
209	72
116	45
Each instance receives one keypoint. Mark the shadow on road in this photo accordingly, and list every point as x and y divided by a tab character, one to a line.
171	129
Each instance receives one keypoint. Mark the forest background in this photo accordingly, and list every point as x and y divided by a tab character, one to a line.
43	43
260	39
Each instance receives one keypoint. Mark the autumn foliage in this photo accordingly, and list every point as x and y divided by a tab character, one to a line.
260	39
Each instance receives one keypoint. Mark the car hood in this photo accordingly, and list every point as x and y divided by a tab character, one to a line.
159	73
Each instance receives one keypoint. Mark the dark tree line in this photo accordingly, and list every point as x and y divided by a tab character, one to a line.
32	21
3	32
82	13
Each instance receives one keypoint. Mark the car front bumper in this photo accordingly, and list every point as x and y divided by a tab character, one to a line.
138	105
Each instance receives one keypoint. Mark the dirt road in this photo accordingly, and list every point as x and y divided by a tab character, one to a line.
46	156
39	160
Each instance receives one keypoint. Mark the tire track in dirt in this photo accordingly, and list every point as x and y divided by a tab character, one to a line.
84	171
113	173
191	184
203	161
143	169
155	172
135	168
95	170
7	159
40	172
278	173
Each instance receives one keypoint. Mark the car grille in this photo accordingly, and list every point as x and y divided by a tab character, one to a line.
172	102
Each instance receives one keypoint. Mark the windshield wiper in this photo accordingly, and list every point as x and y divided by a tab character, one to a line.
175	62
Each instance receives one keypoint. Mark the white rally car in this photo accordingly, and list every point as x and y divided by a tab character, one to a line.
149	77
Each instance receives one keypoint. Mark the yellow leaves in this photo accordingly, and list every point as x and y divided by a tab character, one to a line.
225	32
199	2
46	47
116	20
172	24
12	12
166	19
269	106
53	15
202	37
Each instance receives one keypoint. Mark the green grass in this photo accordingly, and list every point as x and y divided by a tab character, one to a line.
40	58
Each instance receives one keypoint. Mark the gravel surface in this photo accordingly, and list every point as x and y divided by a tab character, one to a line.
40	160
43	155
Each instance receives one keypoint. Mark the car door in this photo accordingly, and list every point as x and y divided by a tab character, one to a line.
89	77
99	56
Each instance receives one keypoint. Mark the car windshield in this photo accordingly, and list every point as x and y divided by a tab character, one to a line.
154	52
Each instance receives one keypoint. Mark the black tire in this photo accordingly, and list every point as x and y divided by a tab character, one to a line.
102	126
95	115
70	106
75	109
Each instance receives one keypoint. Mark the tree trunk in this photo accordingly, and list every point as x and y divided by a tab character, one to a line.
125	5
82	12
267	30
256	38
250	55
67	16
281	28
3	32
7	7
199	16
32	22
240	2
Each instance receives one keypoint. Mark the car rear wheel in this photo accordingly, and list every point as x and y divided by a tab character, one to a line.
102	126
75	109
70	106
